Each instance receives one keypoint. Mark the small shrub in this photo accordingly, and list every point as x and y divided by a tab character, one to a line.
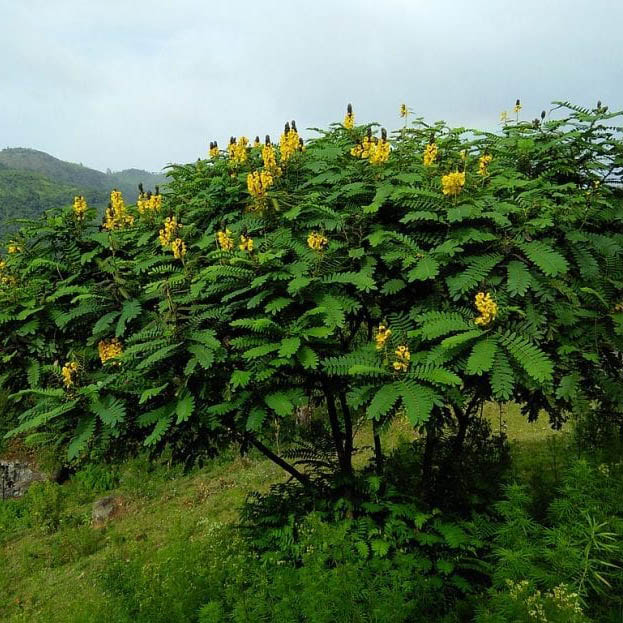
44	506
97	478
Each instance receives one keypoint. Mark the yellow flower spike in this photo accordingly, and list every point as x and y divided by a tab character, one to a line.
487	307
403	358
289	142
404	111
504	116
169	232
13	247
349	119
69	372
178	246
214	150
430	154
79	207
317	242
225	241
269	158
453	183
109	349
483	164
517	107
117	216
246	243
382	335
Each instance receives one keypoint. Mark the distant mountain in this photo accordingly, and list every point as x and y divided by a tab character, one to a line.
32	181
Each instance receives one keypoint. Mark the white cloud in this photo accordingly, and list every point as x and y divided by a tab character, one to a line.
120	84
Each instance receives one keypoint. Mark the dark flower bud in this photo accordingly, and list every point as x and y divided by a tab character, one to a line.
293	124
232	140
267	140
215	144
517	103
598	103
369	133
157	190
542	114
383	134
301	142
349	109
140	188
286	128
257	139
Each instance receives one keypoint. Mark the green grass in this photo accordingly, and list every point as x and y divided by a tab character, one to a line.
76	573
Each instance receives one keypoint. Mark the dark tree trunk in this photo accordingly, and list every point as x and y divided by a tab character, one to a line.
429	452
378	450
336	431
302	478
348	433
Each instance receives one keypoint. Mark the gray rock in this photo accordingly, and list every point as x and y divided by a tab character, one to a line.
104	508
16	477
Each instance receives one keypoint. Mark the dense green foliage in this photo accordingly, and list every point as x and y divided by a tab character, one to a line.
32	181
231	342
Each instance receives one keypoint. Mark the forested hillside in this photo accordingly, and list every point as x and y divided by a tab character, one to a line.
32	181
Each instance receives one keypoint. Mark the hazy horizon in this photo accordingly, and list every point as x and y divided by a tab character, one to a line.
112	86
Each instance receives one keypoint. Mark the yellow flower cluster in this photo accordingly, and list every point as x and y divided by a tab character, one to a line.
225	241
349	119
317	242
13	247
382	335
109	349
246	243
256	143
372	148
149	204
117	216
487	307
214	151
238	150
5	278
430	154
79	207
483	164
403	358
69	372
517	107
269	158
258	183
362	150
453	183
178	246
290	142
504	116
404	111
169	232
379	151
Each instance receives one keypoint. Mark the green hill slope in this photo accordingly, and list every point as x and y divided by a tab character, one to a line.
32	181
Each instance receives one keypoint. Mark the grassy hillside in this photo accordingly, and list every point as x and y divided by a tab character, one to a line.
26	194
152	561
32	181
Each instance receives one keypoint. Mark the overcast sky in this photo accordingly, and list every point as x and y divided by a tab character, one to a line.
140	83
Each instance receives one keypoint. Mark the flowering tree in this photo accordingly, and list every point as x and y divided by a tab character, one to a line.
364	276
